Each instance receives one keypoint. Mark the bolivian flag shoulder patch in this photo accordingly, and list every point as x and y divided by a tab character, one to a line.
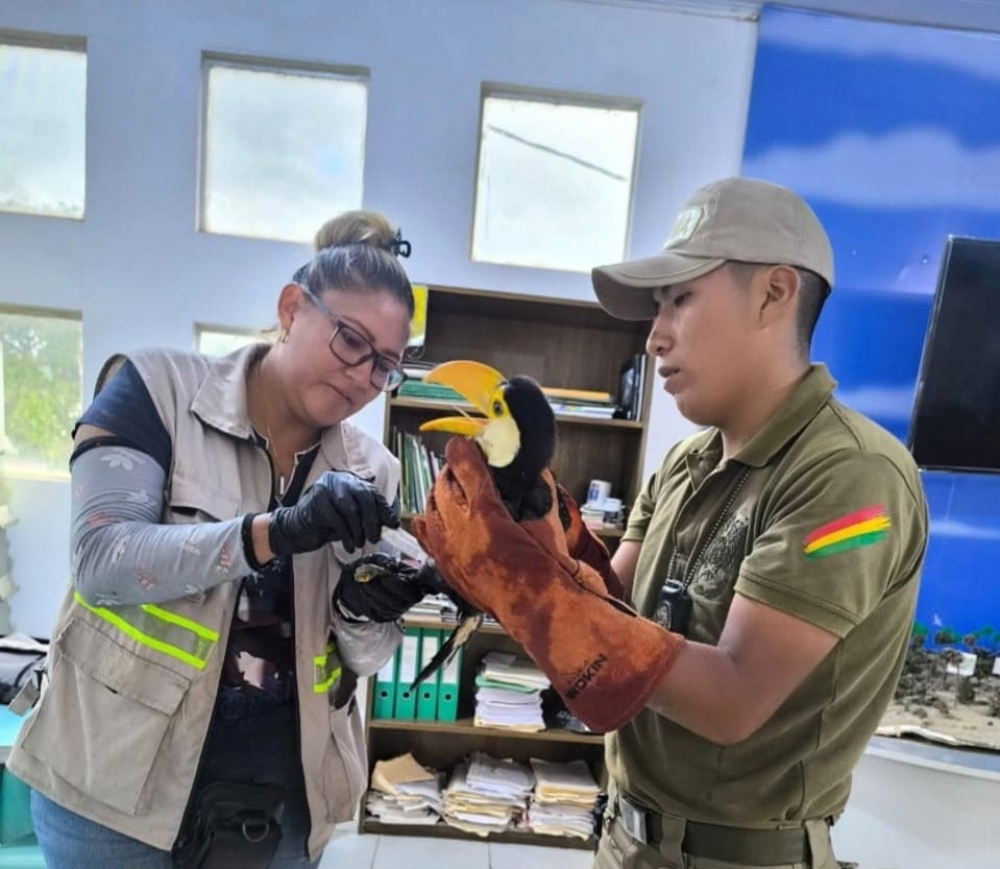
860	528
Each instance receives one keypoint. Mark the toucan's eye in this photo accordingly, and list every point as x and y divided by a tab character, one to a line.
497	407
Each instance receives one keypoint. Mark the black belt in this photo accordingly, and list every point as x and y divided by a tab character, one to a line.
714	842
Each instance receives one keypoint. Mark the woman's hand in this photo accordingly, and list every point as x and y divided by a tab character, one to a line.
379	588
338	506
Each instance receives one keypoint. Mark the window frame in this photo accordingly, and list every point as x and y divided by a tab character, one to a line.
11	470
258	335
55	42
521	93
260	63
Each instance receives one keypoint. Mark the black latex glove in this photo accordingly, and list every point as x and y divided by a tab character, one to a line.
338	506
381	588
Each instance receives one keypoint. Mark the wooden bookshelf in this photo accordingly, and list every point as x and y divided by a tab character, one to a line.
560	343
466	727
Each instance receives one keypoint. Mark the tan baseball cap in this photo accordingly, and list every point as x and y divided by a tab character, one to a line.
740	219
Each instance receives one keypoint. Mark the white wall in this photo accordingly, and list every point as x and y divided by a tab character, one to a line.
39	552
140	273
902	816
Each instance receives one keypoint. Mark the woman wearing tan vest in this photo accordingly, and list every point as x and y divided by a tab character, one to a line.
200	709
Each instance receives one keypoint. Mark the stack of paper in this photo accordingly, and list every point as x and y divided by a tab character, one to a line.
506	779
431	606
564	799
451	613
486	795
509	694
560	821
404	792
512	671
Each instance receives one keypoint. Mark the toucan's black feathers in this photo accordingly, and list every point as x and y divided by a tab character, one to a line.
471	622
520	483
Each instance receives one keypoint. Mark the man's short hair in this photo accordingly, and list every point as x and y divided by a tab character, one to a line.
813	291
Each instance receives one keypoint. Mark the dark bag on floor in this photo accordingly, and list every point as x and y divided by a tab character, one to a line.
233	826
22	659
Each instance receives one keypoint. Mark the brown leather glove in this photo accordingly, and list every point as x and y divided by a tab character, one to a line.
586	546
600	655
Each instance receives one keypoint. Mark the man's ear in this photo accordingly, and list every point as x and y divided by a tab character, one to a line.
777	293
289	302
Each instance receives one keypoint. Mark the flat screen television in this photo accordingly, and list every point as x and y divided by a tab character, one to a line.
956	413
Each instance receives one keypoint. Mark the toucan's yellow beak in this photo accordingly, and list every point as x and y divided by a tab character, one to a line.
483	387
479	385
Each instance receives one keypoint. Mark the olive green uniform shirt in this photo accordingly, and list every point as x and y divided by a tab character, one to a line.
822	516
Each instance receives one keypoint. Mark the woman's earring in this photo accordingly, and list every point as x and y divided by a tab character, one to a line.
283	336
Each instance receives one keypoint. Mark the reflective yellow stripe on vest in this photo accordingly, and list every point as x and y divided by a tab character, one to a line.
160	630
326	670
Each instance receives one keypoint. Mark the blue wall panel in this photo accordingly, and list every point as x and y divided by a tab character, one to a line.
892	133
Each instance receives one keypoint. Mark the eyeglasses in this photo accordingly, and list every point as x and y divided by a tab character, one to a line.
353	349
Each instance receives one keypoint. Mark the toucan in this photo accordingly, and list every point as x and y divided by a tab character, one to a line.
517	434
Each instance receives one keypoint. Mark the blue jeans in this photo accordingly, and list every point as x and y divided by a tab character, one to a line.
253	739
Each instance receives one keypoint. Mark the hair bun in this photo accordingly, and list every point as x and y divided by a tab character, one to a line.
358	251
356	227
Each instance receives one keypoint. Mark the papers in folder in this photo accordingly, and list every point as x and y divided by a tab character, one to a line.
509	694
404	792
486	795
512	671
564	799
564	783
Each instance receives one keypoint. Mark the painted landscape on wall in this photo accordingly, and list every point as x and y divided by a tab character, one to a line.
892	134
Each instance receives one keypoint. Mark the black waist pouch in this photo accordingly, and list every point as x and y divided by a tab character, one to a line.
233	826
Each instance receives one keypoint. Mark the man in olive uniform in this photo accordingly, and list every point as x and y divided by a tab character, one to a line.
784	541
772	560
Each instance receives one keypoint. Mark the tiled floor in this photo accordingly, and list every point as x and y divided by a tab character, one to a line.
348	850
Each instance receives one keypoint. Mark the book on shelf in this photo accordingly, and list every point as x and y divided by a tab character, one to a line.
418	322
427	391
441	608
571	402
419	467
589	403
589	411
577	396
632	386
417	368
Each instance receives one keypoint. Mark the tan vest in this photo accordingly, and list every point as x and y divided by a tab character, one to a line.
118	734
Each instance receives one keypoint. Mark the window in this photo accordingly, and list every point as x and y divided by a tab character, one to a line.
41	358
219	341
283	149
555	181
42	116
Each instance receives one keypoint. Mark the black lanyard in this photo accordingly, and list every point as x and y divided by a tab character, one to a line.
673	609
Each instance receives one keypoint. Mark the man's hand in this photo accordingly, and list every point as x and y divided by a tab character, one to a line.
584	545
599	655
